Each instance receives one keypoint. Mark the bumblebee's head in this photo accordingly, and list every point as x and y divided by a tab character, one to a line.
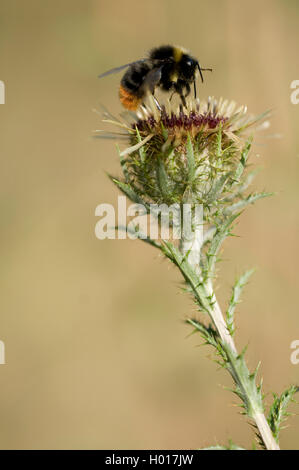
188	67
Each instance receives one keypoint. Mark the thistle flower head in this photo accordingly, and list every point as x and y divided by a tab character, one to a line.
177	155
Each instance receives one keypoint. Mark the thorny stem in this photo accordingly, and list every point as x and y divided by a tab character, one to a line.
191	248
219	322
265	431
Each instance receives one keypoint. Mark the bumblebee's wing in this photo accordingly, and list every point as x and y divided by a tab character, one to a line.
118	69
152	79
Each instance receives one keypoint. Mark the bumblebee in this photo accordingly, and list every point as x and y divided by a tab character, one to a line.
170	68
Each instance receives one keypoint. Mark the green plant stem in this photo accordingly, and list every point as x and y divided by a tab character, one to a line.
191	250
265	431
218	320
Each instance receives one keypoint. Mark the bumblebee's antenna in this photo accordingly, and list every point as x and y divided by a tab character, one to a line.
200	71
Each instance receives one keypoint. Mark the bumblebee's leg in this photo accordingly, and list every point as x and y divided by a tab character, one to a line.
187	93
183	101
194	84
179	88
188	89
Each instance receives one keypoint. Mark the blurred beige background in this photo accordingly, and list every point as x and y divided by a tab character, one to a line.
97	353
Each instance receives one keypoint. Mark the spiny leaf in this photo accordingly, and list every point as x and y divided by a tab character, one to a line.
252	198
211	337
127	189
140	236
222	231
244	156
124	168
245	382
278	411
245	183
165	185
190	276
217	188
208	333
246	388
235	298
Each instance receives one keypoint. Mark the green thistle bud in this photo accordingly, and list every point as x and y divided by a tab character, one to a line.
191	155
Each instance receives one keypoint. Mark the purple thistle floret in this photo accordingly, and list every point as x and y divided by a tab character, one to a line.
182	120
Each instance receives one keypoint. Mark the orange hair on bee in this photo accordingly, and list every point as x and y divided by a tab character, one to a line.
128	100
